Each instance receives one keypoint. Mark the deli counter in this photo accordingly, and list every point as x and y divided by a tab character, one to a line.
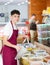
30	54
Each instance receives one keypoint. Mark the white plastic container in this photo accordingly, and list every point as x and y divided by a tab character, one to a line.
42	27
42	34
48	27
43	40
48	34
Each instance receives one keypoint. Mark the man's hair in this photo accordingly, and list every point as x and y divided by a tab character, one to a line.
33	14
15	12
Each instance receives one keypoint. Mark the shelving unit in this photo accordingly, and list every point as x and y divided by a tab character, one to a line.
43	33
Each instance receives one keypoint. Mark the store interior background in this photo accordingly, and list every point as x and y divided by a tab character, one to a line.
26	7
37	6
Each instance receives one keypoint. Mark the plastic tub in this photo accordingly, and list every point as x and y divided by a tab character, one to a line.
42	34
48	34
48	27
43	40
42	27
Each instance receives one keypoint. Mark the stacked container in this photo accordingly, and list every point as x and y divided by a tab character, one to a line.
43	33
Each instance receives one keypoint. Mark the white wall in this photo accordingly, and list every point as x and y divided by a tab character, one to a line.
22	8
2	10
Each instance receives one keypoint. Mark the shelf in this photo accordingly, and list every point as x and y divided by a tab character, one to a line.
44	38
43	25
45	14
44	32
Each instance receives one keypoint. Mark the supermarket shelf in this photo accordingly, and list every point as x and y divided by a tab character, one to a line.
44	38
44	31
45	14
43	25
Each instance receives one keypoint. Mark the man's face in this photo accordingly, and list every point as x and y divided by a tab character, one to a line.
33	17
15	17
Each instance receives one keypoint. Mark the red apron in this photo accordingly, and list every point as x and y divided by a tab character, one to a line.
9	53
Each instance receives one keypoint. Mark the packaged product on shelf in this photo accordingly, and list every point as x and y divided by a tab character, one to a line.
48	27
42	34
43	40
42	27
48	42
48	34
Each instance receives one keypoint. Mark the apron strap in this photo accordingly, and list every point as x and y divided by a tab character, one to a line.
12	25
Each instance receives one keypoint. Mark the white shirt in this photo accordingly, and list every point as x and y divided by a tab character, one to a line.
1	62
8	30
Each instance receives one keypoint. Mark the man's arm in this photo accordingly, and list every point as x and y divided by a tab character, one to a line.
5	42
43	47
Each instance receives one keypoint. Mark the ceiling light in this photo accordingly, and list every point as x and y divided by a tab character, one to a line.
18	4
26	1
11	0
7	3
29	2
22	3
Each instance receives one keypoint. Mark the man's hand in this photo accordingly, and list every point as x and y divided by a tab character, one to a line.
18	48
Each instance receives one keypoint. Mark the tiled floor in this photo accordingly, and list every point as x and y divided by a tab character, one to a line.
1	60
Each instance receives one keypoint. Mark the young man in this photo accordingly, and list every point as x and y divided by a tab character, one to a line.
33	29
10	47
